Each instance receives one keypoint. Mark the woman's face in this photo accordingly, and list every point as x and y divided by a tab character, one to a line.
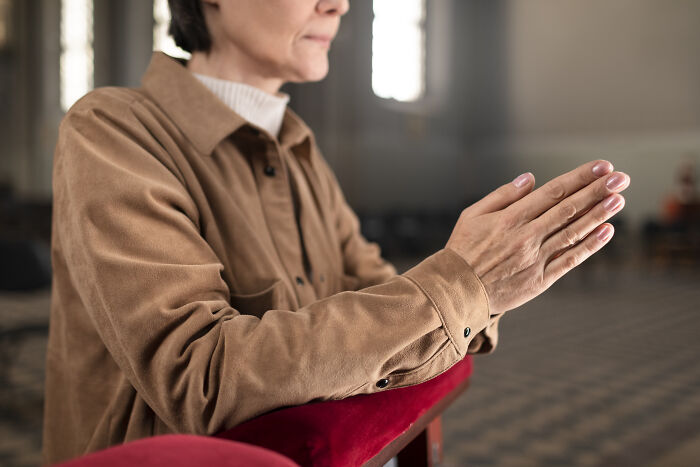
285	39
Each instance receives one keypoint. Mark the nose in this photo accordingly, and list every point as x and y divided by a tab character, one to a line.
333	7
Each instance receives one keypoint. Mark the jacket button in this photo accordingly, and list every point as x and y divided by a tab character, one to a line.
269	171
382	383
300	281
467	331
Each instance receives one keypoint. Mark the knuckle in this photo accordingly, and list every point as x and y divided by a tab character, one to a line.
601	190
568	211
545	278
572	261
467	213
526	252
569	237
504	191
590	248
555	190
522	245
584	176
601	216
501	195
531	260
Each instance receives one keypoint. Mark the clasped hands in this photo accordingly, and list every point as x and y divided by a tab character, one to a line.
519	241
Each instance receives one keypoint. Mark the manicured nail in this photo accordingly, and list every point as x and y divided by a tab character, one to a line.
612	203
602	168
605	233
522	180
616	181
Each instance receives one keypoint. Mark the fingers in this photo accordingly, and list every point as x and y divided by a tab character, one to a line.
572	234
504	196
578	254
560	188
577	204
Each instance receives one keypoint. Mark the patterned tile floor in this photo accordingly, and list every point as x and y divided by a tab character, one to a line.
22	376
602	370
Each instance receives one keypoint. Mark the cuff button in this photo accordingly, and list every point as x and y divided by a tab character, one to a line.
467	331
382	383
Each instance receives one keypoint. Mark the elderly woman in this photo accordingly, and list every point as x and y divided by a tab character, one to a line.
208	269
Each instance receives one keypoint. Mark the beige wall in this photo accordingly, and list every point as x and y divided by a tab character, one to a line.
598	78
601	66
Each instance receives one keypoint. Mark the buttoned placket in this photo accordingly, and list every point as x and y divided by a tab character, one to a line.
272	175
323	255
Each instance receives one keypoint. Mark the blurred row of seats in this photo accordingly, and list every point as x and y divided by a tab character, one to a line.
25	238
409	234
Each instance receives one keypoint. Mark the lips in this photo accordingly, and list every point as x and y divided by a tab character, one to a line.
321	39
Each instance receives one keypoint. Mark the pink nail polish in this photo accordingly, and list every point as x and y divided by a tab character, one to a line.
616	181
522	180
612	203
601	168
605	233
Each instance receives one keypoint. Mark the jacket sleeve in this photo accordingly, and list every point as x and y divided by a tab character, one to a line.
364	264
154	292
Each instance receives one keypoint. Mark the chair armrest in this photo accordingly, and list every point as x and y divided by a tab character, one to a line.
359	430
181	451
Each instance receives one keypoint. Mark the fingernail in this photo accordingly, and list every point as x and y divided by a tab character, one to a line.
616	181
522	180
602	168
612	203
605	233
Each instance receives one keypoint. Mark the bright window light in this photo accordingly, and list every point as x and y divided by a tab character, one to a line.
77	68
161	39
398	49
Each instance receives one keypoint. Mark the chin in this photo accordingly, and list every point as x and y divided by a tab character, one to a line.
313	70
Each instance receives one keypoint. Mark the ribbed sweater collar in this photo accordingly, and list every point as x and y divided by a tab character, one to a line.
258	107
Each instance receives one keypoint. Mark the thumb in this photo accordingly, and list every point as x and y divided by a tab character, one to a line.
503	196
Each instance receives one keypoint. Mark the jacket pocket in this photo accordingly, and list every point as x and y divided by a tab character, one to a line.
256	304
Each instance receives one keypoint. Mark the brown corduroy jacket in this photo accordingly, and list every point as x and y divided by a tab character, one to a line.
205	273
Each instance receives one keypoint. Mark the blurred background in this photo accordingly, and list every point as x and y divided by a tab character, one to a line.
429	105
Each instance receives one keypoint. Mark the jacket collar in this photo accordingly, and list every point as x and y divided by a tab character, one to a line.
203	118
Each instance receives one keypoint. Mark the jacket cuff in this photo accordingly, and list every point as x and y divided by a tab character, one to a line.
456	293
486	341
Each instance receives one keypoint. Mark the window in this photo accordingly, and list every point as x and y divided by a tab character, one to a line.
5	19
77	63
398	49
161	39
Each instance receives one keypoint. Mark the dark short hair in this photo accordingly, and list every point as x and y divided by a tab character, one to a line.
187	25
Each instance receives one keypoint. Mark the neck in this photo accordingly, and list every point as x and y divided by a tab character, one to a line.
232	66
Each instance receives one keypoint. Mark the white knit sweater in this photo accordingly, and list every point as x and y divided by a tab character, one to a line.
258	107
